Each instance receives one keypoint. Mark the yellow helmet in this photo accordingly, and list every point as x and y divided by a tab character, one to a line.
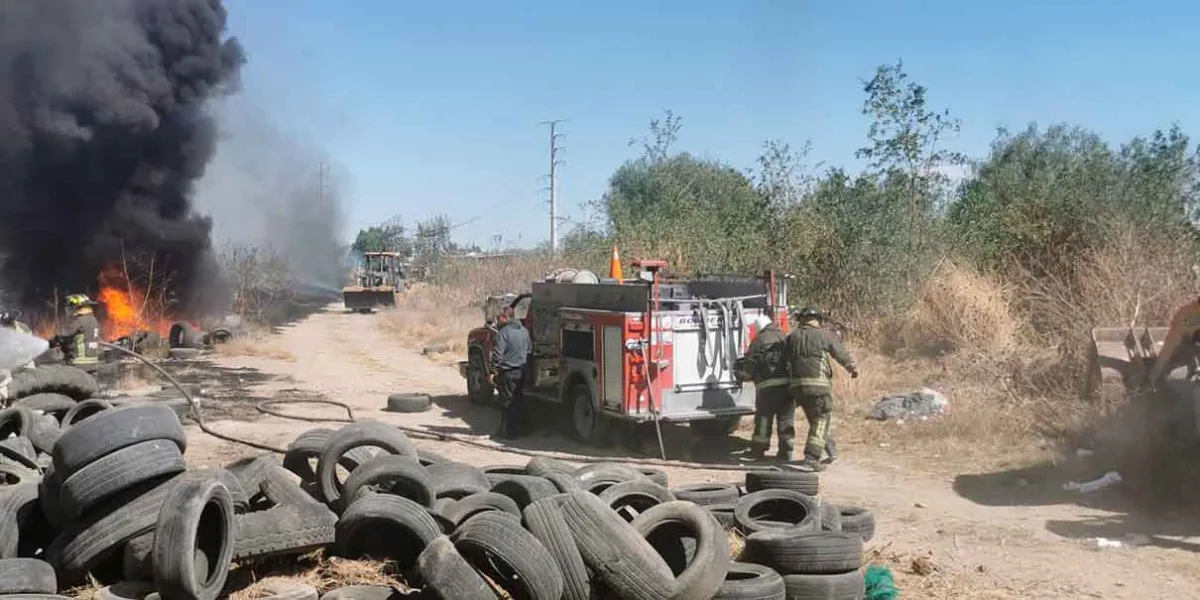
78	300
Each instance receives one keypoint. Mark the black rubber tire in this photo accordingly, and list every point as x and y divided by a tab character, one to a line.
777	509
464	509
397	475
409	403
490	538
284	531
503	470
54	379
723	513
85	409
127	590
27	576
658	476
598	476
702	570
525	489
747	581
386	527
637	495
47	494
307	447
448	575
12	473
117	472
47	402
137	560
614	551
805	482
810	553
457	480
16	421
197	516
86	542
564	483
486	392
20	451
21	524
705	494
113	430
45	433
544	520
541	466
841	586
356	435
426	457
858	520
831	517
363	592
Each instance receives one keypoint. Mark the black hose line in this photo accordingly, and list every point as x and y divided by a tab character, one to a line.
268	407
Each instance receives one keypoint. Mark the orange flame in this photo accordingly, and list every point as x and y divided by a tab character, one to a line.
126	309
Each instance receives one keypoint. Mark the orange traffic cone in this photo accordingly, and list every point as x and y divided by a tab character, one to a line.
614	266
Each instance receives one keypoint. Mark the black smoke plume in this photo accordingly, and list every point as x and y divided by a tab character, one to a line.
103	132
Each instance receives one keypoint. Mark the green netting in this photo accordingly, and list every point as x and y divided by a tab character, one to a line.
880	585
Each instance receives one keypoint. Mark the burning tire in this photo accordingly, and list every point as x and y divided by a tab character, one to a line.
183	335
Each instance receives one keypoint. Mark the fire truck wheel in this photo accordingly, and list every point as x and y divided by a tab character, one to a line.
588	425
479	389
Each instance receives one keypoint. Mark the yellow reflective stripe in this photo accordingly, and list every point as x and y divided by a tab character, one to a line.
773	382
811	382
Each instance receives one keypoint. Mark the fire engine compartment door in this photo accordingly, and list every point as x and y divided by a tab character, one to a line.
701	364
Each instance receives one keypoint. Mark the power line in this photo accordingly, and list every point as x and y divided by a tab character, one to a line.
554	163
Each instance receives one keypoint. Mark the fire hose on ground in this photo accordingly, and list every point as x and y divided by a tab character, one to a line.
267	407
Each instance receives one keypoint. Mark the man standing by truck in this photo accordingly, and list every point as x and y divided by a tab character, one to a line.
809	349
510	354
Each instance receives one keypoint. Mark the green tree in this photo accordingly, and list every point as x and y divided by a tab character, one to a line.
381	238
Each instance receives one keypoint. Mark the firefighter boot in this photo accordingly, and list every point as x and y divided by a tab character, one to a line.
811	464
830	452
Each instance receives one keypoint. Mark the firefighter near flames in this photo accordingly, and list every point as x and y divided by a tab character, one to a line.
652	349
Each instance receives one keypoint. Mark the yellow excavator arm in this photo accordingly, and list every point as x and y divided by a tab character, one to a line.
1184	326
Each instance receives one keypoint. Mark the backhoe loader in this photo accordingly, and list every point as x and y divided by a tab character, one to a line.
1151	362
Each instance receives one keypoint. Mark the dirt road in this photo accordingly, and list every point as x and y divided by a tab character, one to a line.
1015	540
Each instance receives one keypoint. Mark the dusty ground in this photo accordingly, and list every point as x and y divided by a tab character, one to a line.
1009	535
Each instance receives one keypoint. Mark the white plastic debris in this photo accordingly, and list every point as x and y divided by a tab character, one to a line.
1110	478
1132	540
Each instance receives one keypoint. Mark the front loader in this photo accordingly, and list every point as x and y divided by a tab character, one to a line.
1158	364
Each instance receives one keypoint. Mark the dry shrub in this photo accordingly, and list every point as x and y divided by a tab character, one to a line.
256	343
960	310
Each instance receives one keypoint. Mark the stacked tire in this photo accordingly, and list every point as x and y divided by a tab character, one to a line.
796	545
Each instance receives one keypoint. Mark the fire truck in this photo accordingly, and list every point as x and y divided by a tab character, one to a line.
654	348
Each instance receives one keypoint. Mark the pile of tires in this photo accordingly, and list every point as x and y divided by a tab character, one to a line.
114	502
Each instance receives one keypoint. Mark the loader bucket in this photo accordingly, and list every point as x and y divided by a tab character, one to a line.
366	299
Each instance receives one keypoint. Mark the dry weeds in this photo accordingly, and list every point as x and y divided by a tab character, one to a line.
257	343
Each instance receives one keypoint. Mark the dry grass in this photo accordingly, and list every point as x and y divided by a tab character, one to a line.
256	343
323	573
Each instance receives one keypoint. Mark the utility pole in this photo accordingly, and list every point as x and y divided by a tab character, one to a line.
555	149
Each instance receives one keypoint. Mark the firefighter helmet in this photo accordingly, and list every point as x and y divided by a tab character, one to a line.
79	303
809	313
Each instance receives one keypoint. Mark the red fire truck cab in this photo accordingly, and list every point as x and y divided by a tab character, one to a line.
625	350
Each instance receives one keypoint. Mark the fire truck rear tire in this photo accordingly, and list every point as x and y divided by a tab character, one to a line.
479	390
587	422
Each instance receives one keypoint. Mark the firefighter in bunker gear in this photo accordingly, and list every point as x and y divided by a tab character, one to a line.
767	366
809	348
78	338
510	354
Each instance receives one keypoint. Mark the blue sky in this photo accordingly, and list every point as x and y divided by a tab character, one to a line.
434	108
